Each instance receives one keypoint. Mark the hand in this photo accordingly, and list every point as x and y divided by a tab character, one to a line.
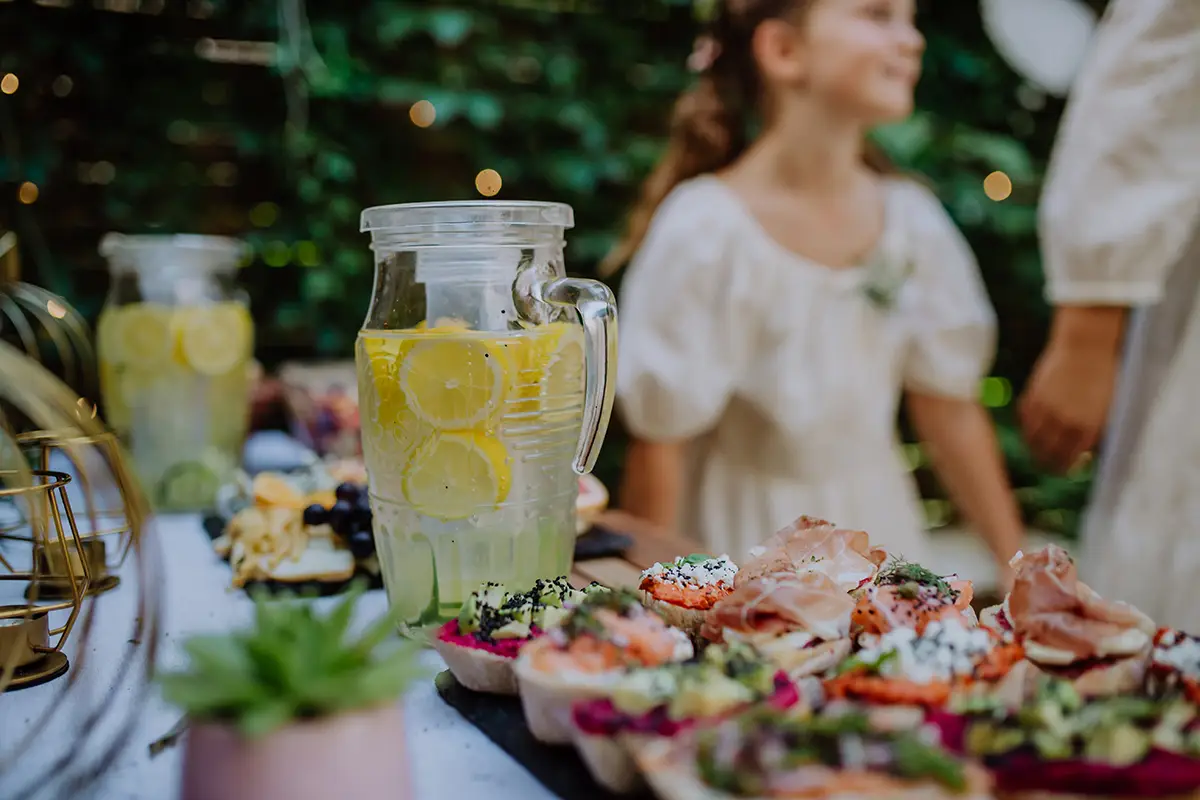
1065	407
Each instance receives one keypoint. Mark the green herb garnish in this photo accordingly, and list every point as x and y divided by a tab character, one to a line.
898	572
291	664
857	662
915	760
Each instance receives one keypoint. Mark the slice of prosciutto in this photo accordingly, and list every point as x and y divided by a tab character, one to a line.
782	603
1050	606
816	545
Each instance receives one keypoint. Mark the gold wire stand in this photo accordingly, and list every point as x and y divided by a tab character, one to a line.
74	729
30	649
105	524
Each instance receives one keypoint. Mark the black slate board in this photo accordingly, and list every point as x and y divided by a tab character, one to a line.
500	718
600	542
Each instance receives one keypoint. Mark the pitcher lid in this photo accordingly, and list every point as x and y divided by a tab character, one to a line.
454	216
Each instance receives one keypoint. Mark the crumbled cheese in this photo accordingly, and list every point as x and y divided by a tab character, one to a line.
946	650
702	573
1180	652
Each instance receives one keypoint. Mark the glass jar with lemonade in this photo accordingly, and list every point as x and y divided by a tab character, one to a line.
485	387
174	342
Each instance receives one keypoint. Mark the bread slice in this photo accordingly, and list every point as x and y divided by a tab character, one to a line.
671	773
609	761
1011	691
547	697
1121	675
800	662
688	620
478	670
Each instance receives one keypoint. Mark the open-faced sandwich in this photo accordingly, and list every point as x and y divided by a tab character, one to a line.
903	667
1062	745
685	589
665	701
481	645
907	595
799	621
1068	630
1175	665
816	545
766	753
584	657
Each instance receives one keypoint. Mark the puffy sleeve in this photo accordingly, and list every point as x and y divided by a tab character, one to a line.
1123	192
681	340
953	340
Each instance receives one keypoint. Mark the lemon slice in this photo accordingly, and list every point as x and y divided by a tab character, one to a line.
453	382
137	335
390	429
456	475
563	379
214	339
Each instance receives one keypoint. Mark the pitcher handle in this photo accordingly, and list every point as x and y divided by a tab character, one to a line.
597	310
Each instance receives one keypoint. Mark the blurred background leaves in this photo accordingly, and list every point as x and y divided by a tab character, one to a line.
279	121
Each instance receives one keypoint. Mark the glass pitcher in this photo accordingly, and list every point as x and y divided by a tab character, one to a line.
486	380
174	342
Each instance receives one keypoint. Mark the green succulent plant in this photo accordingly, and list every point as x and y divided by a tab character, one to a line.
291	664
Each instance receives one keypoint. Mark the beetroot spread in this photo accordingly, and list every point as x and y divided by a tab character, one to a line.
603	718
506	648
1160	774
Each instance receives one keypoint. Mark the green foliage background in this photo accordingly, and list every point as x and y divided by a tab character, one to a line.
566	99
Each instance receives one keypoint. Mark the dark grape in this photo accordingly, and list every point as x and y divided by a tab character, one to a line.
340	517
361	543
362	517
316	515
349	492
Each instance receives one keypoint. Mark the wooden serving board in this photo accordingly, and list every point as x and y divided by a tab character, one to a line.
648	545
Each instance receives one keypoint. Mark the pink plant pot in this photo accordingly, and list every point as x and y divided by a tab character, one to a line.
352	755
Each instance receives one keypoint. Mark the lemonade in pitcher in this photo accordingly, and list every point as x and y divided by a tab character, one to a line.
174	343
484	389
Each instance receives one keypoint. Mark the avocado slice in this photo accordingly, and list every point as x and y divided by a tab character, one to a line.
468	615
512	630
1118	745
550	617
490	595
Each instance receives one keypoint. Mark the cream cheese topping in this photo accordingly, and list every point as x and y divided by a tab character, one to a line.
684	572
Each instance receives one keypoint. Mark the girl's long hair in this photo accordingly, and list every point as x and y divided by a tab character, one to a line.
710	121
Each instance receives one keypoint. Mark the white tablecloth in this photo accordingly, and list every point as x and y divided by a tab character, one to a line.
450	758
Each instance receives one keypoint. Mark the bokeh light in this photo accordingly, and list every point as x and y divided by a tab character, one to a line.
422	113
995	392
997	186
9	84
102	172
488	182
28	193
264	215
55	309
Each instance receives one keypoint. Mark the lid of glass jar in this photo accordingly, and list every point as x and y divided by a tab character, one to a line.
148	249
460	216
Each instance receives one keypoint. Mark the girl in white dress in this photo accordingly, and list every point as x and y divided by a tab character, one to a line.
782	293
